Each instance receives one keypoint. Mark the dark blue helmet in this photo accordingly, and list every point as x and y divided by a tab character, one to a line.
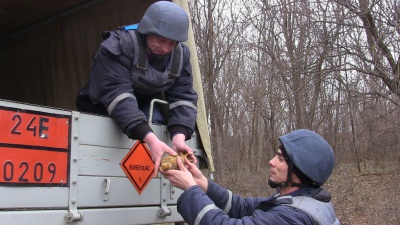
165	19
310	153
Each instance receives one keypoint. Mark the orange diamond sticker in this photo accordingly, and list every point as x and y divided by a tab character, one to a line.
138	166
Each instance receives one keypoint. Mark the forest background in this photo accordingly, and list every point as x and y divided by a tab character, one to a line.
332	66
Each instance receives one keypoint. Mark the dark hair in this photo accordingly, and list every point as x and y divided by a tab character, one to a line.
284	154
303	178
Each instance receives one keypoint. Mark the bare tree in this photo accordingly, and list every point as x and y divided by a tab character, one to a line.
376	51
217	32
270	67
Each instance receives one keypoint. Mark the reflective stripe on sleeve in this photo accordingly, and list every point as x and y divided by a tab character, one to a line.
229	203
118	99
203	212
179	103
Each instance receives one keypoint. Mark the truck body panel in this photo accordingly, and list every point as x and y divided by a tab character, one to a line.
97	191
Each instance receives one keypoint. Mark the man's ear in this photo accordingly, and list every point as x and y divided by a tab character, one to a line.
295	179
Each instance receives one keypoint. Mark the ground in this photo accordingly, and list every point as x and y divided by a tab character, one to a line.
370	197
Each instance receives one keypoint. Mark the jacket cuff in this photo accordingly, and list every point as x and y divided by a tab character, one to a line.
179	129
140	131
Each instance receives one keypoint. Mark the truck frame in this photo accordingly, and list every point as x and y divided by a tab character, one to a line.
39	145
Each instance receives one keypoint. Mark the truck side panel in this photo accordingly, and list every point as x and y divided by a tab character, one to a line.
95	189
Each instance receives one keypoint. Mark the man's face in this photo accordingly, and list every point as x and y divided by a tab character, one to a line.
159	45
278	168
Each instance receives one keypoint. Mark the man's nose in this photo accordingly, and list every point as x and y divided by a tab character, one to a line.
272	162
166	48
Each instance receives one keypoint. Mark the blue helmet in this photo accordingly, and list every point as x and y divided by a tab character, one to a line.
310	153
165	19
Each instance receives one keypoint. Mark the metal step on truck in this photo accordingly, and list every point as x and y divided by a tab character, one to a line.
57	168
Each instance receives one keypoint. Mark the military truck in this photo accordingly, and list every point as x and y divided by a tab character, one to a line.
61	166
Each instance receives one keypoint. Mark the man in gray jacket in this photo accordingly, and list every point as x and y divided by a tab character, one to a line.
139	63
303	162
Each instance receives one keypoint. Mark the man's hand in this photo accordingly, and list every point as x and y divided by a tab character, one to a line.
185	177
182	178
179	145
157	149
198	176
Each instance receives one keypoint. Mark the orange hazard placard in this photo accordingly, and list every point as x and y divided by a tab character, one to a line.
138	166
30	166
34	148
19	127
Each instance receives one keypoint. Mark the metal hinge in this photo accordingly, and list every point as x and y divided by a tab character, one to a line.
73	215
164	210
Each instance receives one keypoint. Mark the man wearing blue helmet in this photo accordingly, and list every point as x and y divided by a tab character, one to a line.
303	163
139	63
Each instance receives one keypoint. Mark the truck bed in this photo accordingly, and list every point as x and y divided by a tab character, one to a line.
61	167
